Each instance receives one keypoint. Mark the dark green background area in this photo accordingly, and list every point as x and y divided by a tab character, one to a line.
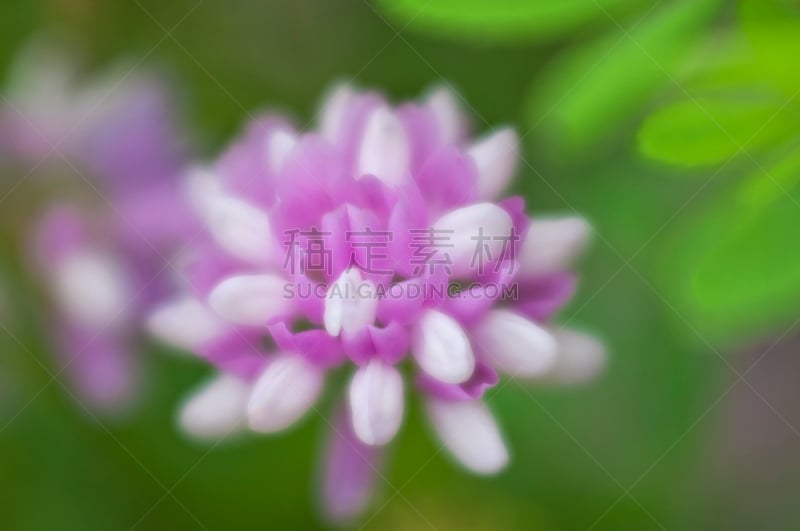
668	437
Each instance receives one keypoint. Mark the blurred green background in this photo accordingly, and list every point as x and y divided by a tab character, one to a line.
671	124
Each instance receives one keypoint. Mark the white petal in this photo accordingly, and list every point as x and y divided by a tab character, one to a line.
469	431
249	299
471	230
185	322
442	349
284	392
514	344
241	229
92	286
331	112
279	145
552	244
452	122
580	357
202	186
496	156
376	402
217	409
350	304
385	151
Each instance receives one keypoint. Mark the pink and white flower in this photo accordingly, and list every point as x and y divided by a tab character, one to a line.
290	285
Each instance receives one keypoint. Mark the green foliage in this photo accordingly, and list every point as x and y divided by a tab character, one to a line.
733	265
769	185
773	27
589	91
744	85
701	131
509	21
751	273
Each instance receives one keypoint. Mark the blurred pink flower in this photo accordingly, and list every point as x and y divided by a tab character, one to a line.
374	242
103	259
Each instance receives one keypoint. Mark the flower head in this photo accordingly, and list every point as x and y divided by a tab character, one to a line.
101	254
376	244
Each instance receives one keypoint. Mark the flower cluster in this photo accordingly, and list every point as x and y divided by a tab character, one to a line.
309	234
110	148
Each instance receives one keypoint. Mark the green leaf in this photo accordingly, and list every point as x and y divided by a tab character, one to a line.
769	185
773	28
724	60
507	21
752	274
712	130
591	90
734	269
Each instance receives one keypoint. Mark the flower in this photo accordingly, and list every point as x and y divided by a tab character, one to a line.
102	247
375	245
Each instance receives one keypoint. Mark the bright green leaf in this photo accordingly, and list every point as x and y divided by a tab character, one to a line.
723	61
773	28
492	21
752	274
589	91
769	185
712	130
734	271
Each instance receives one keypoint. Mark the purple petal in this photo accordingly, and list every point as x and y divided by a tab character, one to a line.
102	369
423	132
61	231
390	344
315	345
482	379
244	166
349	472
540	298
447	179
239	352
